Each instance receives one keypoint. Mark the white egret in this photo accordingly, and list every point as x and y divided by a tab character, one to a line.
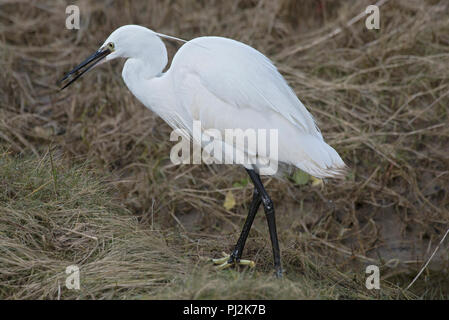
224	84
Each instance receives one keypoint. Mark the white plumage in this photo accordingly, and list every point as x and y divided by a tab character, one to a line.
224	84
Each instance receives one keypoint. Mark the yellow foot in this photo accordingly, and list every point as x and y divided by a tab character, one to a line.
223	263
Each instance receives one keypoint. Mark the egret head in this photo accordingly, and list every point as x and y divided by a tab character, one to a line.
130	41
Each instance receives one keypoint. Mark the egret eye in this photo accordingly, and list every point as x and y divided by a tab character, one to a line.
110	46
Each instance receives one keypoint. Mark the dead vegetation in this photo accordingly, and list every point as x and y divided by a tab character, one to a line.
139	227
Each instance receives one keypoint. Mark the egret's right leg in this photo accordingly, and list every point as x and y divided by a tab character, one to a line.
269	213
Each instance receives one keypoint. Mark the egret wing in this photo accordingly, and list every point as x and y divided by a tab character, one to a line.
243	77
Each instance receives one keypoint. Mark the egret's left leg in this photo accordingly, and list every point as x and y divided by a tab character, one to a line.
255	203
236	254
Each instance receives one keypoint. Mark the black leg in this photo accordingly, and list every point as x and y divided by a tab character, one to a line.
255	203
269	212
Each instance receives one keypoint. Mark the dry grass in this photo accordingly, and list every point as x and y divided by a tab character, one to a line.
380	98
53	217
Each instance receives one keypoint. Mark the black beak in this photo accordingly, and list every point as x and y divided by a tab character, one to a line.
83	67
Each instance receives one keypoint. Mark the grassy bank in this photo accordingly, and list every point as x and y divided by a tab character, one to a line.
140	227
54	216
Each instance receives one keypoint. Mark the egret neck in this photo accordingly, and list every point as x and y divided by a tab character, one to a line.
143	75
